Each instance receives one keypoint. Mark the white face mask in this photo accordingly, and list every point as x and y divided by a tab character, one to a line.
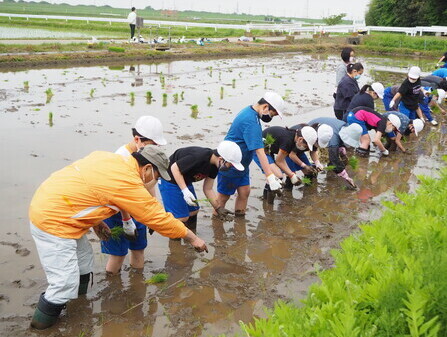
352	59
301	148
412	80
388	130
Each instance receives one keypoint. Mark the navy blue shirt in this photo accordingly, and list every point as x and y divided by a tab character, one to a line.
361	99
336	125
346	90
246	132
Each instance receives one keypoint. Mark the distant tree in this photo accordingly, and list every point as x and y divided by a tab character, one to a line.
334	19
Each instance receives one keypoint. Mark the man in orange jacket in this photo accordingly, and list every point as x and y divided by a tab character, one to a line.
80	196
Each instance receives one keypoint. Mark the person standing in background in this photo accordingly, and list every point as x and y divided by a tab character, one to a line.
132	19
347	56
347	88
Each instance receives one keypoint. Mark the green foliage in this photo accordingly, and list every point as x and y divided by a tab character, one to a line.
157	278
407	13
194	111
269	140
148	97
210	101
49	94
50	119
116	232
389	279
175	98
306	181
26	86
117	49
353	162
132	98
388	42
92	91
335	19
165	100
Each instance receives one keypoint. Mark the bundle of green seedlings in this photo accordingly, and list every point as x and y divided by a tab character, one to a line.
165	100
26	86
162	81
50	119
49	94
210	101
221	92
233	83
175	98
353	162
92	91
132	98
388	280
148	97
157	278
194	111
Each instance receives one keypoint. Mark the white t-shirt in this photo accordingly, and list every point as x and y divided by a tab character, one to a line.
132	18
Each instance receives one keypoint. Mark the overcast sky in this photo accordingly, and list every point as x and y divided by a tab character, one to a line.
297	8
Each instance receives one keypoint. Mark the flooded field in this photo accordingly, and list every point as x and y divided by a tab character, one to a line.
271	254
28	33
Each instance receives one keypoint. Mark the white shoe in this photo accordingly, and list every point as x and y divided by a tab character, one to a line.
433	122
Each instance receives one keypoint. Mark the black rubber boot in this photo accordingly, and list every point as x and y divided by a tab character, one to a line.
46	313
83	283
191	223
268	194
362	152
288	184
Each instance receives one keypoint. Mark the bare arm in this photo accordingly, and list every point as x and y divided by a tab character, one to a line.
378	141
209	192
178	176
419	113
399	142
280	160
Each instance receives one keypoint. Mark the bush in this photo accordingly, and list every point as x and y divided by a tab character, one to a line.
117	49
389	280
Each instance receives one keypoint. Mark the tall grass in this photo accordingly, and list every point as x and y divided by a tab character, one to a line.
389	280
419	43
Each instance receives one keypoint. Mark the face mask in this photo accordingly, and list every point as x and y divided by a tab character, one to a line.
301	148
388	130
223	167
356	77
412	80
266	118
352	59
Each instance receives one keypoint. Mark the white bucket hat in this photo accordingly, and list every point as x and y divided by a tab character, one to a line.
276	101
414	72
310	136
418	125
232	153
350	135
441	95
150	127
394	120
378	89
324	134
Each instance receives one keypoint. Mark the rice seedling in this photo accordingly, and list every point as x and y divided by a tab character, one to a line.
117	49
210	74
103	82
50	95
353	162
157	278
132	98
194	111
148	97
165	100
92	91
26	86
265	84
162	81
182	96
210	101
220	75
117	232
221	92
306	181
233	83
263	69
330	168
175	100
50	119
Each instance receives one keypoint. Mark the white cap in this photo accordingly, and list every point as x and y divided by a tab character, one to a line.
324	134
394	120
414	72
418	125
232	153
378	89
275	101
150	127
441	95
350	135
310	136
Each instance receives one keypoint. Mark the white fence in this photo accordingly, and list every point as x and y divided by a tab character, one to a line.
289	28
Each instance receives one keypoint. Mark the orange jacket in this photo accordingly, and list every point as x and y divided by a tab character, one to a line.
92	189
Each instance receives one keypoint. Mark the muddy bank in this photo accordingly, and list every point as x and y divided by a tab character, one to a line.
271	254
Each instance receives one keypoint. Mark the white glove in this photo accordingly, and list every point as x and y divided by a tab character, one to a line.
294	179
319	166
385	153
392	103
274	182
189	197
130	230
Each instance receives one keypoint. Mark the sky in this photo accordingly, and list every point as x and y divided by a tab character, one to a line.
355	9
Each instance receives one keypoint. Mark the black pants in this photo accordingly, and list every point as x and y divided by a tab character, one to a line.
132	31
339	114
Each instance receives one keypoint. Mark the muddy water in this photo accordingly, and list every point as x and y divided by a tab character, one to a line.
271	254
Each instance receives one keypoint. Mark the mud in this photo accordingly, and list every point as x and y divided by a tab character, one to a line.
273	253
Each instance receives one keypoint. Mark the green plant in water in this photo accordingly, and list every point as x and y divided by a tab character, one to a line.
263	69
148	97
117	49
210	101
211	72
182	95
175	98
26	86
50	94
306	181
132	98
165	100
92	91
265	84
117	232
194	111
157	278
220	75
353	162
162	81
330	168
50	119
233	83
221	92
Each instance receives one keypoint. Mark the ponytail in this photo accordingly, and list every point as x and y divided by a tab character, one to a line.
366	87
356	66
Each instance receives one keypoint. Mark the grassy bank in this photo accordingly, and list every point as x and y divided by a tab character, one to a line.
389	280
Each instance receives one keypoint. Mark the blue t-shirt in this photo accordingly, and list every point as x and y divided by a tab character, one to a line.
441	72
246	132
336	125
